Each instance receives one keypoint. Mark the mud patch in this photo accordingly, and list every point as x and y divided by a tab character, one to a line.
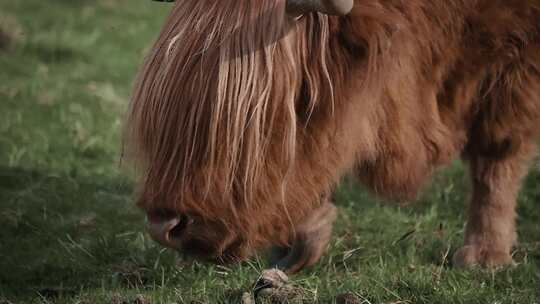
273	287
131	274
348	298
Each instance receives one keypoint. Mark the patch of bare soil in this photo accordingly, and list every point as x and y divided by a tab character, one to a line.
131	274
348	298
273	287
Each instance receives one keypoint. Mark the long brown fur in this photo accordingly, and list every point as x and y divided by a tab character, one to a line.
244	118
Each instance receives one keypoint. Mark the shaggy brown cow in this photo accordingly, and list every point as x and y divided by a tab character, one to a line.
247	113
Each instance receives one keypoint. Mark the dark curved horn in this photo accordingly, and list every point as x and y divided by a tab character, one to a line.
330	7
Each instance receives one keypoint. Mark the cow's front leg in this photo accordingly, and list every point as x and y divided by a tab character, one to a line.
310	239
490	233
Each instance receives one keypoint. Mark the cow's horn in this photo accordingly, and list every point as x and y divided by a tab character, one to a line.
330	7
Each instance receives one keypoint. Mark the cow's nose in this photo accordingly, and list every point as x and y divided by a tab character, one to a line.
167	228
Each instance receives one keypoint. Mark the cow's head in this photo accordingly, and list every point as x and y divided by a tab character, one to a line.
215	116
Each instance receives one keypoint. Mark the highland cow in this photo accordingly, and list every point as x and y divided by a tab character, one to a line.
246	115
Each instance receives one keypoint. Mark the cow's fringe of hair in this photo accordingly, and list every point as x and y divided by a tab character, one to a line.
215	102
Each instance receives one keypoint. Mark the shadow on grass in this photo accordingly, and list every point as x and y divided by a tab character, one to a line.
53	53
5	40
64	236
61	234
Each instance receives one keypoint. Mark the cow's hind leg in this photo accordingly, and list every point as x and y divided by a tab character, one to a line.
490	233
502	141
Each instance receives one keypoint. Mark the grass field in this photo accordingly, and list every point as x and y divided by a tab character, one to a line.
69	232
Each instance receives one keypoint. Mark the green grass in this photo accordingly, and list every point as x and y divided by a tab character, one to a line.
69	231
